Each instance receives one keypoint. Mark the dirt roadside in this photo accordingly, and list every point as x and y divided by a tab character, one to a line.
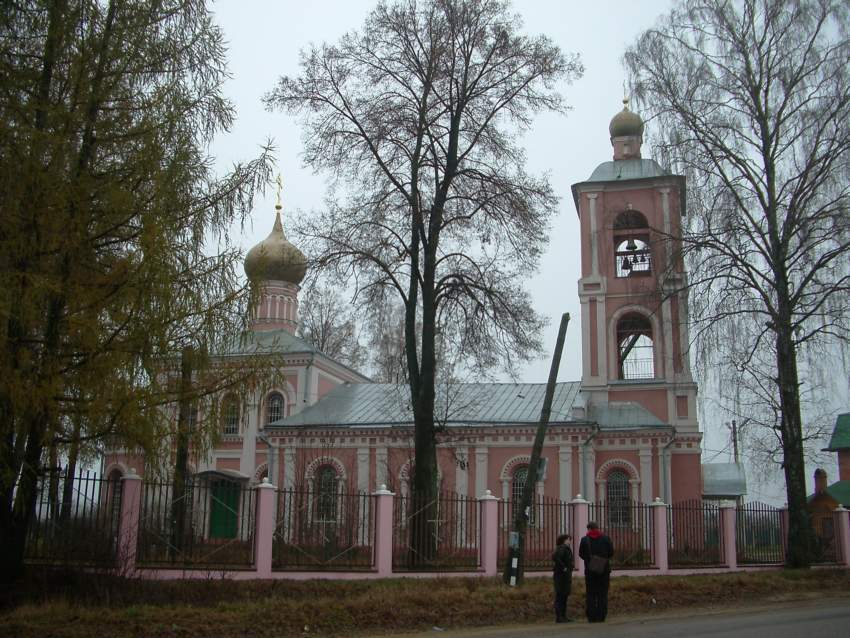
777	602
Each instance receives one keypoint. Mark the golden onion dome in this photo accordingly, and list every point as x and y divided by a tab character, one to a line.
626	123
275	258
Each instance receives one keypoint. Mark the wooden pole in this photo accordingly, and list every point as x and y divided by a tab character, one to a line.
515	568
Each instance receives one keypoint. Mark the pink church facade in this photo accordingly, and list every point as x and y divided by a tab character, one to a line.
626	432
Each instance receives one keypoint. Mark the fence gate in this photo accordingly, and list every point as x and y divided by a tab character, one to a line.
323	531
694	534
630	527
440	534
760	535
201	524
826	549
75	519
549	518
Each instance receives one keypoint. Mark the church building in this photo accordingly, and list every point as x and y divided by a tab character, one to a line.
626	432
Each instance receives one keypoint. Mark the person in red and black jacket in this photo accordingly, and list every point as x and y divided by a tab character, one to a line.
596	550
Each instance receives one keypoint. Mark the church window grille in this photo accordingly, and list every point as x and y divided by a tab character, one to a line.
520	476
230	416
618	500
274	408
327	484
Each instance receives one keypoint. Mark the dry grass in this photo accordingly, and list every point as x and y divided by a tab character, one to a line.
76	605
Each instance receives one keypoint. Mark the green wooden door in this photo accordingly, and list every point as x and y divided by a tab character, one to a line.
224	509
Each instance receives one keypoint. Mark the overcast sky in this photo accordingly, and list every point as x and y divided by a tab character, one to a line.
265	38
264	43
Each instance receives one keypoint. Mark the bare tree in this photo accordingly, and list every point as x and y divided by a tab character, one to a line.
417	114
385	327
328	322
751	100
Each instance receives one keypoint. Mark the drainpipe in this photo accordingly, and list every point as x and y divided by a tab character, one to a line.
584	486
665	469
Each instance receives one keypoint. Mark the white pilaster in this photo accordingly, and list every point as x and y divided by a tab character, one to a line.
666	249
363	469
585	338
481	464
645	475
381	466
602	338
289	467
462	471
667	326
590	474
565	473
594	235
665	479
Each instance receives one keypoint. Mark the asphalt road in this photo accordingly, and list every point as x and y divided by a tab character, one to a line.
792	619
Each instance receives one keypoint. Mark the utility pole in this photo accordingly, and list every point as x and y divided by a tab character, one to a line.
515	568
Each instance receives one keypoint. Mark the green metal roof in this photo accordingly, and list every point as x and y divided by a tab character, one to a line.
623	415
841	434
266	342
637	168
723	480
465	404
840	491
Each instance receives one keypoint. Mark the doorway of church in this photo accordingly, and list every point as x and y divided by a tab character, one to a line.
224	509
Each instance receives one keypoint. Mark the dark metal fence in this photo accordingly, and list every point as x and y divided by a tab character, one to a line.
76	520
826	549
550	518
323	531
630	528
694	534
206	523
439	534
760	535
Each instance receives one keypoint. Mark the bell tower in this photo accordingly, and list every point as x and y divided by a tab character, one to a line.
633	313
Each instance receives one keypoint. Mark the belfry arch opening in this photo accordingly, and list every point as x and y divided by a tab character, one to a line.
632	256
635	348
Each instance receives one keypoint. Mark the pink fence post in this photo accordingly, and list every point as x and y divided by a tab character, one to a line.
581	514
843	534
264	529
383	561
128	525
728	515
489	550
659	530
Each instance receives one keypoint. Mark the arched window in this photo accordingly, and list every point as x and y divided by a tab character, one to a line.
635	351
617	499
192	421
518	480
632	255
230	416
274	408
327	485
518	484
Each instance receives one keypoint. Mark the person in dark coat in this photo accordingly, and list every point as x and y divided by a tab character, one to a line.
599	549
562	575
